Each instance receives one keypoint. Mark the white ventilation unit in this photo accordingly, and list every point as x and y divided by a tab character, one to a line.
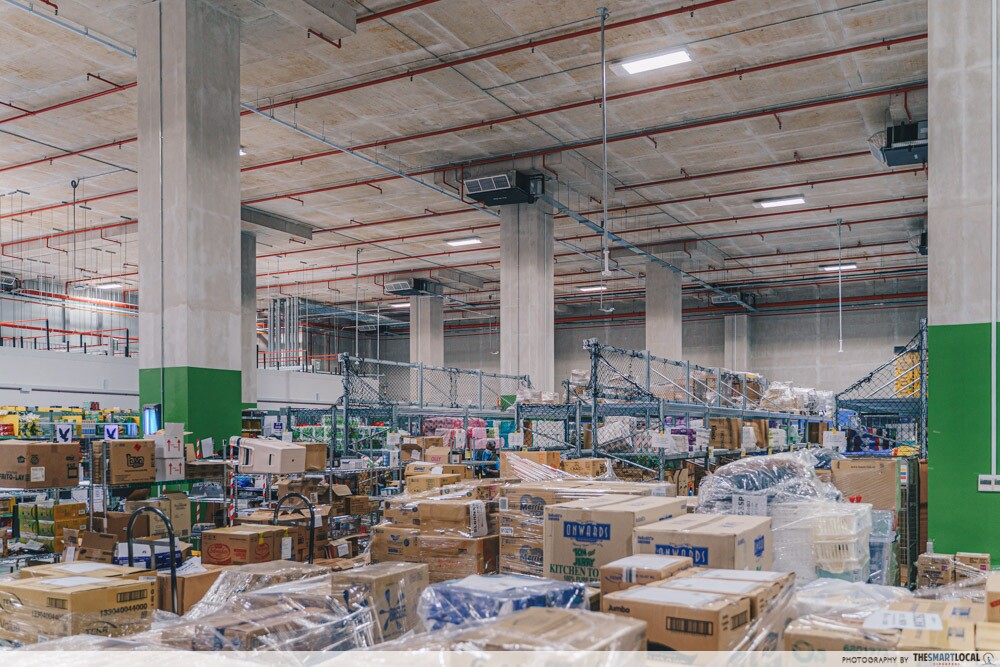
8	282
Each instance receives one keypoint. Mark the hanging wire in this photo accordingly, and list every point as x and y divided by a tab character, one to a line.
604	143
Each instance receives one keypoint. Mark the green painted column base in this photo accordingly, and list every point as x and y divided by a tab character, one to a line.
207	401
960	518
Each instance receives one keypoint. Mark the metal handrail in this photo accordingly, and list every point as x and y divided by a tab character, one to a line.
152	552
312	520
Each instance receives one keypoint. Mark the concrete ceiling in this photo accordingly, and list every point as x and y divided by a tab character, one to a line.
780	98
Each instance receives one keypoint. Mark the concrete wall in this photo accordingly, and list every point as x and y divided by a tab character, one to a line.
34	378
798	347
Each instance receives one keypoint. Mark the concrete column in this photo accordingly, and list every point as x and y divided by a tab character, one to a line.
426	330
189	214
248	318
959	283
737	342
527	300
663	312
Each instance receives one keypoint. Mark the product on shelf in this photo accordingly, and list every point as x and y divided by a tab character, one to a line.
38	465
129	461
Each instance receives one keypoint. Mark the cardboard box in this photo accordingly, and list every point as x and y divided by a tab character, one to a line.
725	433
62	606
437	454
396	589
191	587
935	569
38	465
466	516
316	456
583	535
176	505
238	545
169	446
152	552
524	526
358	505
424	468
640	570
761	594
716	541
393	543
54	511
988	636
993	598
170	470
956	626
455	557
779	580
130	461
419	483
84	569
260	455
54	528
550	459
810	634
90	546
683	620
585	467
521	556
875	480
542	628
116	523
971	565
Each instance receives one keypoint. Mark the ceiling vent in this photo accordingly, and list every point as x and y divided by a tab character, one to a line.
8	282
719	300
414	287
512	187
901	145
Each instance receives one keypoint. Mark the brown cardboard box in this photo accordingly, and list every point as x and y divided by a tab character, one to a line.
988	636
726	432
62	606
316	458
396	589
814	434
993	598
956	620
37	465
401	512
116	523
56	511
455	557
90	546
542	628
238	545
424	468
585	467
316	490
54	528
521	556
437	454
419	483
466	516
640	570
761	594
130	461
717	541
191	587
524	526
392	543
358	505
760	429
583	535
683	620
776	580
812	634
971	565
935	569
875	480
175	504
294	516
84	569
550	459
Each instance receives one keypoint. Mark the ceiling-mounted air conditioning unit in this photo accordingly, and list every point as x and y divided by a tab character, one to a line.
9	282
510	187
414	287
905	144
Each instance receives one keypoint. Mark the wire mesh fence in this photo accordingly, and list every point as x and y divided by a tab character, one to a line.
888	407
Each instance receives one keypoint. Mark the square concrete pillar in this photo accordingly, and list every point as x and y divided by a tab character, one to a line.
426	330
663	312
190	311
248	318
737	342
527	298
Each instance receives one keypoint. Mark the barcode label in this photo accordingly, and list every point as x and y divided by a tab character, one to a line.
503	504
690	626
56	603
740	619
129	596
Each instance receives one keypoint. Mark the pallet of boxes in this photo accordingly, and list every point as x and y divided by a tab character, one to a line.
453	529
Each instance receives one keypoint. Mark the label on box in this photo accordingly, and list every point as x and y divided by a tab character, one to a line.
888	619
82	567
515	440
749	505
34	545
70	582
503	504
477	519
671	596
661	441
437	470
286	548
343	550
38	474
498	583
507	531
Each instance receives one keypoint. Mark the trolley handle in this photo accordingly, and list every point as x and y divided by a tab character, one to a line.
312	520
152	556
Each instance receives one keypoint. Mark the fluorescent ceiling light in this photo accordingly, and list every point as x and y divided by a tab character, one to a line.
457	243
108	286
594	288
243	151
404	304
839	267
780	201
653	61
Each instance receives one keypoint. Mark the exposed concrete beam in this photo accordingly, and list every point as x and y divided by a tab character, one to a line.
685	252
331	18
458	279
255	216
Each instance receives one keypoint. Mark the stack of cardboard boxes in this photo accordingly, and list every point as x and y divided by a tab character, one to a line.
128	461
522	515
935	569
42	524
170	460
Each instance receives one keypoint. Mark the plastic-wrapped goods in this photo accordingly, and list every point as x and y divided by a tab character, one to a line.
395	589
779	397
958	576
478	598
533	629
615	434
788	477
246	578
826	403
833	597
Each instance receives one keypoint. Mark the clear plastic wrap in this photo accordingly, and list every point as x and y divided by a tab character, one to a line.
952	577
478	598
247	578
774	479
851	601
779	397
533	629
